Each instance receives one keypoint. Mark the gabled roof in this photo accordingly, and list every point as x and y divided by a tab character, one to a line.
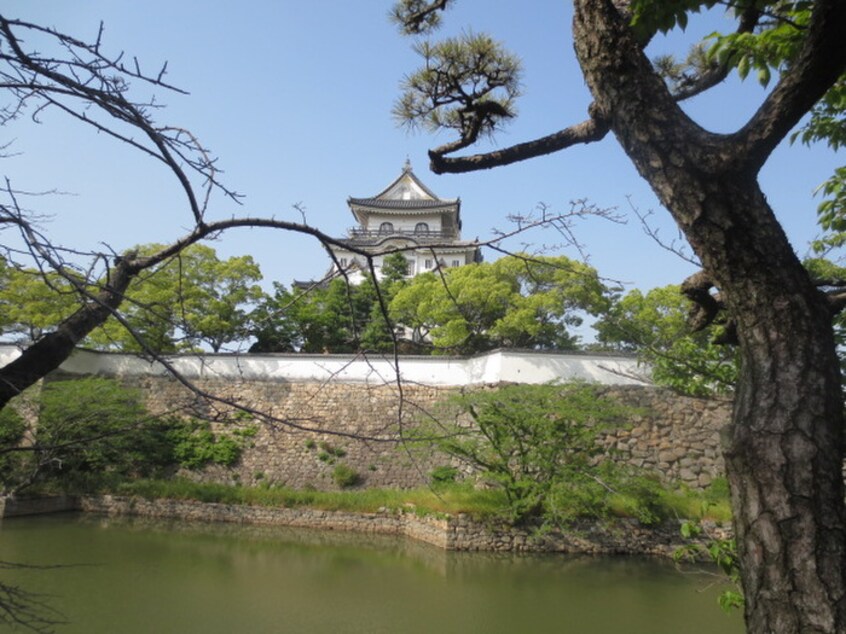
406	193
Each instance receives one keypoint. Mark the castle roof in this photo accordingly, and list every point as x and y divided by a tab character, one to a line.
406	195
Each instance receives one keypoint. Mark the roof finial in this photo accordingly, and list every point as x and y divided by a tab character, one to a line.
407	167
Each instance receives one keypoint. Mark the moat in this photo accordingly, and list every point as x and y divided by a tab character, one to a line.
135	575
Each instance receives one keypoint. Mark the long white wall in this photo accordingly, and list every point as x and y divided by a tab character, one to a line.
492	367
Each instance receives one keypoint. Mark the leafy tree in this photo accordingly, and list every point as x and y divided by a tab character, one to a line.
191	299
772	50
319	319
394	271
334	318
92	431
655	326
271	323
538	443
785	446
213	307
381	333
33	303
512	302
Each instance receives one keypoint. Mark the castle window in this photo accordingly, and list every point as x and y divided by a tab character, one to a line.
386	227
421	228
456	262
343	262
427	264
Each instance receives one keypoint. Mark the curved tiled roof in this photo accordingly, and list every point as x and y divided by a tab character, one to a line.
389	203
406	195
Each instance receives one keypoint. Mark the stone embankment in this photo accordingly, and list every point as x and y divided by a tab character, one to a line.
455	533
674	436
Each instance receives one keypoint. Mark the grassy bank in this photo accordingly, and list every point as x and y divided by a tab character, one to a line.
452	498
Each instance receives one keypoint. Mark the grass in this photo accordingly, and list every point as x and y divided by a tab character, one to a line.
450	498
679	503
458	498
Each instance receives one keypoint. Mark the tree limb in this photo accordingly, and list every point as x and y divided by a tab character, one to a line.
821	61
593	129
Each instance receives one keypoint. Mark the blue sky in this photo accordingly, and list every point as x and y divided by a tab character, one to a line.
295	98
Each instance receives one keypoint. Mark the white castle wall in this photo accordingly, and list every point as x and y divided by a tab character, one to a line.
513	366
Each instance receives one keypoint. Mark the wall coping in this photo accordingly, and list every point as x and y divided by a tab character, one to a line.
496	366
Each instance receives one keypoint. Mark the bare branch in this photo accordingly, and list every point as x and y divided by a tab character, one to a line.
672	246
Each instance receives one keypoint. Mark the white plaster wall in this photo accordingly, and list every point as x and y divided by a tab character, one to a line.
404	223
492	367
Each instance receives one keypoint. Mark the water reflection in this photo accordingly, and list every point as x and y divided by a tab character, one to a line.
176	577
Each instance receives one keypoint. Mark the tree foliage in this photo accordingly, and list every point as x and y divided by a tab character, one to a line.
514	302
539	444
192	299
92	431
468	84
33	302
655	326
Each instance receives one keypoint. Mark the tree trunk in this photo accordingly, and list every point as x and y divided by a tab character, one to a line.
784	447
48	353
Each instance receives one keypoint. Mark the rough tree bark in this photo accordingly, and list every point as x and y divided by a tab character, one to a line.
784	449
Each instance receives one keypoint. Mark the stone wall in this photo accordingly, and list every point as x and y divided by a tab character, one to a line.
677	436
331	410
315	427
318	426
458	533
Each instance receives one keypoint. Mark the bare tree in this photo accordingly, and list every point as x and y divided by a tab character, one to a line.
784	449
79	79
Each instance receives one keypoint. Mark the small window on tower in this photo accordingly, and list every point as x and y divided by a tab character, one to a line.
427	264
386	227
343	262
456	262
421	228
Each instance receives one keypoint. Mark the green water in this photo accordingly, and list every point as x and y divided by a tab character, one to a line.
139	576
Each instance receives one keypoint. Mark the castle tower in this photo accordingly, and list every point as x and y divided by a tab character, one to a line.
405	215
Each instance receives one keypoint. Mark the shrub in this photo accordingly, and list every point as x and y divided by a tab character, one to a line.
94	429
195	445
443	474
337	452
536	442
12	429
345	476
